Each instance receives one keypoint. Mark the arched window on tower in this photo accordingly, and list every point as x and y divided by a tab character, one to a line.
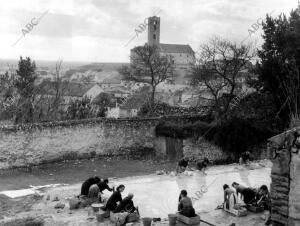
154	36
154	27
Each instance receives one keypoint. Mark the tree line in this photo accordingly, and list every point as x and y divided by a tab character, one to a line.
22	100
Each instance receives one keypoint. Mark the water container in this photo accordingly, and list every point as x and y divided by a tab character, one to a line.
172	219
147	221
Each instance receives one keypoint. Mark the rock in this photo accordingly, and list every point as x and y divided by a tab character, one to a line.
48	197
59	206
172	173
159	172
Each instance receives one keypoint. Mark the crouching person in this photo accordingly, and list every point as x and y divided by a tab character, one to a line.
230	198
201	165
185	206
182	165
127	206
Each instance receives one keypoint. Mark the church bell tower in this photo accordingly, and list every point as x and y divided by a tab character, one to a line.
153	30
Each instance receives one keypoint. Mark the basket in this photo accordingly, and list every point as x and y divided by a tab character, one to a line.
255	209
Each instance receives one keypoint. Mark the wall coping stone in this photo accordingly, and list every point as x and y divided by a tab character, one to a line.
280	138
69	123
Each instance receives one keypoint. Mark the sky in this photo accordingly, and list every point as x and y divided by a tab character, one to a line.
99	30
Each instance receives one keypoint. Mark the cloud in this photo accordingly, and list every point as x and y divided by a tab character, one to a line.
98	29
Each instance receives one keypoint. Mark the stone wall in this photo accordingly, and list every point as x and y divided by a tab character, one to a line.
198	149
33	144
40	143
285	175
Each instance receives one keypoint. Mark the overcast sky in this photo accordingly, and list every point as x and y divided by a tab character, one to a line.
98	30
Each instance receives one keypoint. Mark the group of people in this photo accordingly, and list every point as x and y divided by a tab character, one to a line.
258	198
93	188
184	162
252	196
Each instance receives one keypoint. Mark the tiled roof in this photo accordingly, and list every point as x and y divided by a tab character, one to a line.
72	89
176	48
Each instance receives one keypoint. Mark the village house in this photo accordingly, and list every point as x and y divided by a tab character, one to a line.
69	90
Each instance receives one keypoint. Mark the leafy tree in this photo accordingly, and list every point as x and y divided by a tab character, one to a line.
80	109
148	65
24	83
8	96
279	63
104	100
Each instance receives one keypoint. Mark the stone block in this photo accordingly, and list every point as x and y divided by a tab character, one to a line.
281	165
277	218
188	220
293	222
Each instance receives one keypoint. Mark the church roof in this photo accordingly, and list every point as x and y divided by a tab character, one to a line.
176	48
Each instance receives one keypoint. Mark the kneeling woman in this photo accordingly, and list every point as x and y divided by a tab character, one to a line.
230	198
185	206
116	197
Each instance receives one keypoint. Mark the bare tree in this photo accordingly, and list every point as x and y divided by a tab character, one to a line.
148	65
51	96
218	66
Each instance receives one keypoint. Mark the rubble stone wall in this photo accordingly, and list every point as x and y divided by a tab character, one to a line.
36	144
198	149
33	144
285	175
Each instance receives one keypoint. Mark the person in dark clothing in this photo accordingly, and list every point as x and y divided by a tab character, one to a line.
185	206
87	184
126	205
104	185
202	164
247	194
182	165
262	197
116	197
246	157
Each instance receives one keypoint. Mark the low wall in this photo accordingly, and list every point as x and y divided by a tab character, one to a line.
198	149
40	143
285	186
33	144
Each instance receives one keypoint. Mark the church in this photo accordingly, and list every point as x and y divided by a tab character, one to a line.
183	55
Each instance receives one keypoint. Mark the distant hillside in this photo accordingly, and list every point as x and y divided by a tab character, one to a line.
103	71
103	66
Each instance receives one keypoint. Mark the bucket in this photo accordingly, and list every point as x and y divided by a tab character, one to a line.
100	217
147	221
172	219
96	207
